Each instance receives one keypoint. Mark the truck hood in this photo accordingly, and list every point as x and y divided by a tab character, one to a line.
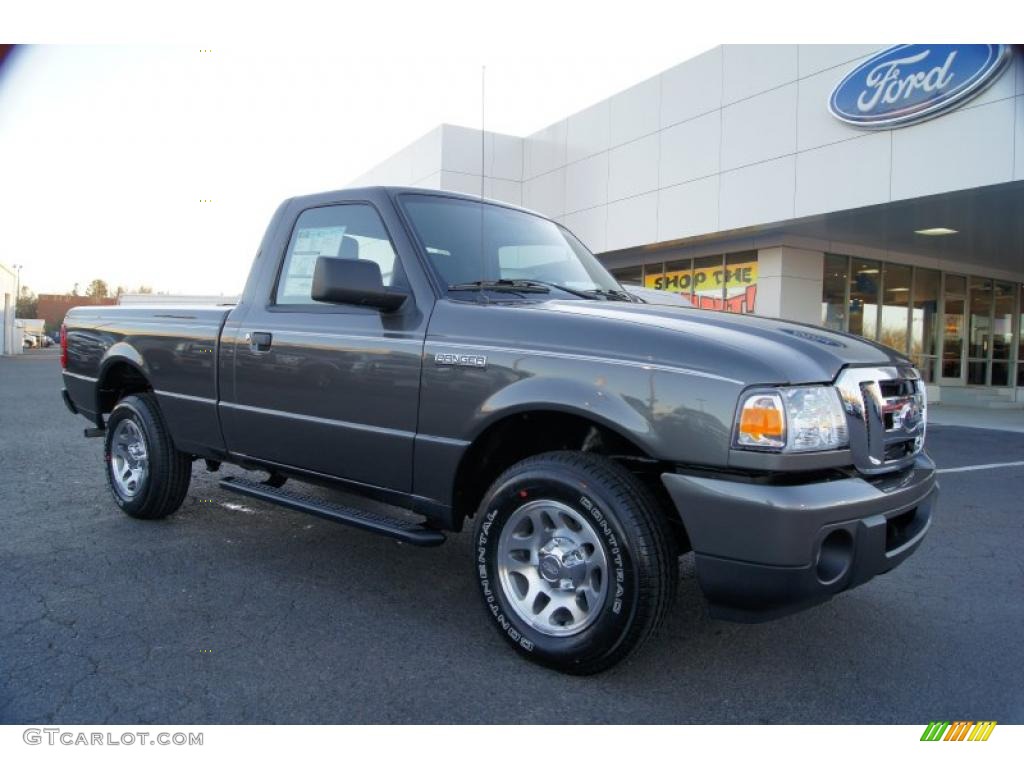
781	351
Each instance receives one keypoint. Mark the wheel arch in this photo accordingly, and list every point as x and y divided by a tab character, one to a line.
527	429
122	372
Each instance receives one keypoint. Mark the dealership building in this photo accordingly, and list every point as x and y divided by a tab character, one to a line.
10	341
872	189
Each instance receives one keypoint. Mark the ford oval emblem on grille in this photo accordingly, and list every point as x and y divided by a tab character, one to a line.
909	83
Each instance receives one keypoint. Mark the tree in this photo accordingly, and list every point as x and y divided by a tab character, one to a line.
27	306
97	289
144	289
120	291
74	291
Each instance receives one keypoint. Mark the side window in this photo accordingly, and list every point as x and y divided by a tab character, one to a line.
352	231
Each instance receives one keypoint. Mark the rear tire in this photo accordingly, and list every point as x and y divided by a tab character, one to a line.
147	476
576	563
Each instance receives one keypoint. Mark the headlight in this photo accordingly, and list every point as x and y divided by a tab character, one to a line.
792	419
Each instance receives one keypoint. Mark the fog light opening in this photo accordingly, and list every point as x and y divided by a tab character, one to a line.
834	556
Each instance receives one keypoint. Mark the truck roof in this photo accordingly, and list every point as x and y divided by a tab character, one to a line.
393	191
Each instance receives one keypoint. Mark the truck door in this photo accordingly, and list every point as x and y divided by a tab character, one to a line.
329	388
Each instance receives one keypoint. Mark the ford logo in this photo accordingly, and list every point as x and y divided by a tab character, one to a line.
909	83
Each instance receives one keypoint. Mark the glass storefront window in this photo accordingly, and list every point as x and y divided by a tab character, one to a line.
723	282
952	343
629	275
708	283
654	275
895	306
740	281
981	308
864	284
1004	296
677	278
1020	338
924	318
953	326
833	292
979	336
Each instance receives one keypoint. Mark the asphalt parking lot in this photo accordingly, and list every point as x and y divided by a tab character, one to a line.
232	611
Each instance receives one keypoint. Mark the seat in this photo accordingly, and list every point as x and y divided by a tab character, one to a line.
349	248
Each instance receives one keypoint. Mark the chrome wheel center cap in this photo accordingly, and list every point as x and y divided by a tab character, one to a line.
561	563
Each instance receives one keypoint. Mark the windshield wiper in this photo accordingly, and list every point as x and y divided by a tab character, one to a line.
612	294
529	285
558	286
509	286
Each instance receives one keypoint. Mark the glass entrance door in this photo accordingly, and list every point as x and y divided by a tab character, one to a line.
1003	303
954	369
979	339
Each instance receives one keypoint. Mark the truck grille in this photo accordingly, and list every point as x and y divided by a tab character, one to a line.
886	413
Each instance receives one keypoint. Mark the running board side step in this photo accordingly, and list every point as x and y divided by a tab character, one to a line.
403	530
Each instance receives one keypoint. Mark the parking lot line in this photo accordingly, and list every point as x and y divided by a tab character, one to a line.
974	467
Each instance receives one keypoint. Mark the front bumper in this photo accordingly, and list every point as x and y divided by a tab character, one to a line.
764	550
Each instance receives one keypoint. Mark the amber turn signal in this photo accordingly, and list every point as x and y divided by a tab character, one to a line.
762	422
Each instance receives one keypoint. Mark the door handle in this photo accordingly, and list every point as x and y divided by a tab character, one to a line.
259	341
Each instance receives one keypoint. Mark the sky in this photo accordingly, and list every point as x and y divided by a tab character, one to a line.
115	121
107	150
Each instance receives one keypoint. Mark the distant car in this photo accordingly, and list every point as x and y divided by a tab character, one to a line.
46	341
28	342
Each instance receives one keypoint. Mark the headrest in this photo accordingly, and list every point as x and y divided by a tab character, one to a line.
349	248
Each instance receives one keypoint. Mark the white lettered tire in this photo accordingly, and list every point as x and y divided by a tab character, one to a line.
575	562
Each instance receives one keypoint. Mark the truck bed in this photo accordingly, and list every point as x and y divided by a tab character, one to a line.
175	347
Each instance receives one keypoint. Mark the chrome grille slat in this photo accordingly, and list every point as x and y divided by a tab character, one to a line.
886	413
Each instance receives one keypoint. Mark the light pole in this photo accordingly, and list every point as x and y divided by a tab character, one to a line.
17	286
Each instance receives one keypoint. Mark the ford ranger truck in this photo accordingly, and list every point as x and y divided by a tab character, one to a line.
451	359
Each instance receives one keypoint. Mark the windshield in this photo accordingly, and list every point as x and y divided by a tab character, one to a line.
468	242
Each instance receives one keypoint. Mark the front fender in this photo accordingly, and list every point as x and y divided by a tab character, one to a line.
588	399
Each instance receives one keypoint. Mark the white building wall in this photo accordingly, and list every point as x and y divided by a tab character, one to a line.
789	283
735	137
450	157
10	341
741	136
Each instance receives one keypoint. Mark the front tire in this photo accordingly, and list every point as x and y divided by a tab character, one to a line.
575	562
147	476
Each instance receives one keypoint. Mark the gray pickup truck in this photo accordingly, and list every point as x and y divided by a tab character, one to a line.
451	358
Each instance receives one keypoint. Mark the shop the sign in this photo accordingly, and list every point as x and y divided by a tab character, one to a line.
909	83
704	286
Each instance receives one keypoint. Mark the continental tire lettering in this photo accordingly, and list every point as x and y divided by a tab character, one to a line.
613	550
485	585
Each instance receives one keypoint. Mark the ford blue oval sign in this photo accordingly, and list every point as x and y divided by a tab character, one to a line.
909	83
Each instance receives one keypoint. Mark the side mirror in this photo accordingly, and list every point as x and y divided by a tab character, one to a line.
353	281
